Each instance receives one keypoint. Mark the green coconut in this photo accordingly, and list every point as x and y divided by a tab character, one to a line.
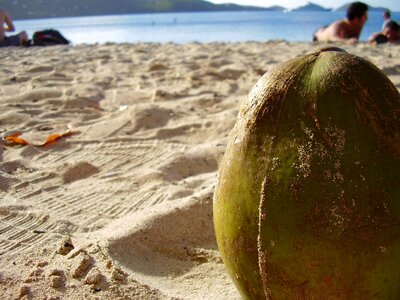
307	204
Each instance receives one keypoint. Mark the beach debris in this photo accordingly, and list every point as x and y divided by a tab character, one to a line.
20	138
157	67
109	264
56	278
76	252
117	274
81	265
25	291
56	282
46	128
42	264
306	204
95	278
66	246
34	275
163	95
123	107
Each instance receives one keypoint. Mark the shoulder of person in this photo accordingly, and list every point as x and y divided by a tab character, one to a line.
340	24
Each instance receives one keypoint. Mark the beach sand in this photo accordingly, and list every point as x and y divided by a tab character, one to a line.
121	206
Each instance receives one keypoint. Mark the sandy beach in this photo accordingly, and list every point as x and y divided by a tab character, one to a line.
120	205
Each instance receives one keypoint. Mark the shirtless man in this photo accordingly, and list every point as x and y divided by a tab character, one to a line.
6	25
347	30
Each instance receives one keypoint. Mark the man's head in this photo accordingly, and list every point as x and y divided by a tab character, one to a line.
358	13
391	31
387	15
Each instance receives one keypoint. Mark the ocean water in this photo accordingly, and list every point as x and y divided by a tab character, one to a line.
200	27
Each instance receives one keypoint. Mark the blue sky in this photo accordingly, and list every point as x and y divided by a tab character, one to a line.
391	4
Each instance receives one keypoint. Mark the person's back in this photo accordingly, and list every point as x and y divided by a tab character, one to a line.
347	30
6	25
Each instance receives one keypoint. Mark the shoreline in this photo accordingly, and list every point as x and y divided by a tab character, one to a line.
354	47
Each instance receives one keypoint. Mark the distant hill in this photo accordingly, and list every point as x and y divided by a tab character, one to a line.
277	8
311	7
32	9
370	8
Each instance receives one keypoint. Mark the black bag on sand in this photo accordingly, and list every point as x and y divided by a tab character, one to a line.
48	37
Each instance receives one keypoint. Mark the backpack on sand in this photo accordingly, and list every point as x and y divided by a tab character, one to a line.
48	37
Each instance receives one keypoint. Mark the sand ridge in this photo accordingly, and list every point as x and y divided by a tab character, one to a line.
123	208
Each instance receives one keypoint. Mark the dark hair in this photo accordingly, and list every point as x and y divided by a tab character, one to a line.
387	13
356	10
392	25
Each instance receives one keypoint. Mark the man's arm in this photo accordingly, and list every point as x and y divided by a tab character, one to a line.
9	26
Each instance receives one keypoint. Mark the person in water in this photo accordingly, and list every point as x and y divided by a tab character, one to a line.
7	25
347	30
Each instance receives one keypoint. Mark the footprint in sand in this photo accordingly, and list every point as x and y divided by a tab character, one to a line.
167	133
53	79
79	171
220	62
36	95
174	249
149	117
13	119
13	166
188	165
40	69
167	241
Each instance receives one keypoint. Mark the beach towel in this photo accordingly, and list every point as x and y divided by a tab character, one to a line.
48	37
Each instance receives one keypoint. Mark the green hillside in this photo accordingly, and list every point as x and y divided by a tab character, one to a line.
29	9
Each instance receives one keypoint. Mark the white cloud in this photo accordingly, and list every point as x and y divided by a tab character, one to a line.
391	4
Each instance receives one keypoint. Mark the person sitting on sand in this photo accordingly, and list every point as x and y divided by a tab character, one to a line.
347	30
390	34
6	25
